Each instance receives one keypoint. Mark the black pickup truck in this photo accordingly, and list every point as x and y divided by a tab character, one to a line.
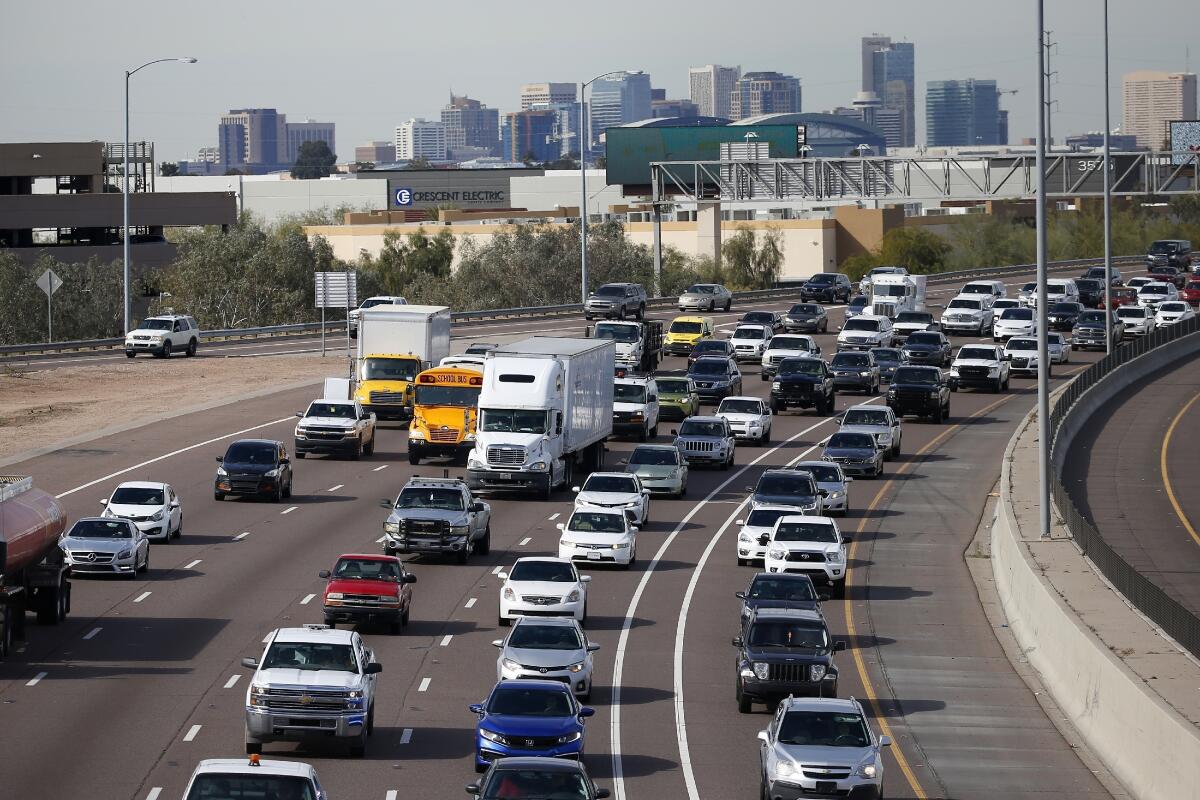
921	392
804	383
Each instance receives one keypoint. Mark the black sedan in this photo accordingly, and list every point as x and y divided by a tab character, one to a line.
928	347
856	453
710	347
1062	316
806	317
769	319
1091	292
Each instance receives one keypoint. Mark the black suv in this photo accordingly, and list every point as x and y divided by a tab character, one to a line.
919	391
618	300
1091	291
788	487
804	382
928	347
1173	252
828	287
781	652
254	467
782	590
1062	316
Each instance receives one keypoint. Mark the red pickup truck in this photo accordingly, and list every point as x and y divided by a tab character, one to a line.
1191	293
368	588
1121	296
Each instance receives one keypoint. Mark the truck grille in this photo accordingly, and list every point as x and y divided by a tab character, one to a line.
305	700
912	394
506	456
540	599
1020	363
247	484
444	435
973	372
365	599
882	309
700	447
387	397
788	672
428	527
334	434
805	556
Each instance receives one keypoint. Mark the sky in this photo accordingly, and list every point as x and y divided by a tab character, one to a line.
368	65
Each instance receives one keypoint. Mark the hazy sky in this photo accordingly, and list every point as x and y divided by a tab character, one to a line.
369	65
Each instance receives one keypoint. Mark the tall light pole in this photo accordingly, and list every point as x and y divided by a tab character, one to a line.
125	182
1043	400
585	142
1108	309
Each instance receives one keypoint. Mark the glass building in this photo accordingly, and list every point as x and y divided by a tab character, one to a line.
963	113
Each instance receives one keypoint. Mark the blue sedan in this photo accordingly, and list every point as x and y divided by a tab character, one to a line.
529	718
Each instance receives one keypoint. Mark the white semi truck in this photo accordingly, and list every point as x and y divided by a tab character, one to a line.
395	343
545	411
892	294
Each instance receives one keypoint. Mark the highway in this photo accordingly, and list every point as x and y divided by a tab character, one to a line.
144	679
1132	473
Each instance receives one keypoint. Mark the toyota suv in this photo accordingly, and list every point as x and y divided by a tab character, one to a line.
162	336
783	652
811	546
618	300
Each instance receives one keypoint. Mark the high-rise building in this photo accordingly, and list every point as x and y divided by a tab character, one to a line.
758	93
469	123
710	88
308	131
420	138
679	109
544	94
618	101
965	112
253	137
532	134
1152	99
377	152
888	69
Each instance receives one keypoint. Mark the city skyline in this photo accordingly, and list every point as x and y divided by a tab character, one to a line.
76	94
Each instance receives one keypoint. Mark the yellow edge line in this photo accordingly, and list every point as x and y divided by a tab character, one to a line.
897	752
1162	467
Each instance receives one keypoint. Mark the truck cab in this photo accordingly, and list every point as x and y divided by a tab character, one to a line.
395	343
892	293
339	427
437	515
635	407
445	411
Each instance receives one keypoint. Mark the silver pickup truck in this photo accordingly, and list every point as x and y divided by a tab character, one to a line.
340	427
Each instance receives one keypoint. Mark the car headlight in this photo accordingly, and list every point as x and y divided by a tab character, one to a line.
745	536
458	530
354	694
274	473
573	736
126	553
816	672
577	666
864	374
258	695
777	553
156	516
416	435
785	769
221	472
334	596
474	463
391	527
565	542
492	736
867	770
836	495
509	594
762	671
508	663
573	596
776	385
933	393
621	546
538	466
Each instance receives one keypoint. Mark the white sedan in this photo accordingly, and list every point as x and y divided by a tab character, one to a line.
756	532
544	587
749	418
598	535
1014	322
1172	312
153	507
1059	348
615	490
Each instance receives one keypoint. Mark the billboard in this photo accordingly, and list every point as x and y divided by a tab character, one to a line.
1185	136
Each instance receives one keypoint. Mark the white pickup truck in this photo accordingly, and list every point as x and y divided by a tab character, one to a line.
341	427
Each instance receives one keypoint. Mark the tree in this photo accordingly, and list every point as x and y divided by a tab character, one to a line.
313	160
416	266
748	264
234	171
919	250
168	169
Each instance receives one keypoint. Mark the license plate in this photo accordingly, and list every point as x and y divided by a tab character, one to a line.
504	476
593	555
826	787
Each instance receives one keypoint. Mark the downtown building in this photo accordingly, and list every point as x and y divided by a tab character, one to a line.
963	113
545	94
471	126
259	140
758	93
420	138
1153	99
711	87
888	70
533	134
618	101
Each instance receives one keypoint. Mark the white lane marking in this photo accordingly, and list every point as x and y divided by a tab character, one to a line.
307	599
380	539
381	467
154	793
241	536
392	794
618	777
91	634
469	603
554	516
523	542
289	510
405	738
142	597
233	679
191	734
335	487
193	564
498	570
446	639
36	679
165	456
424	687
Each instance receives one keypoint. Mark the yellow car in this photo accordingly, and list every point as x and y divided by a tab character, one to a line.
684	332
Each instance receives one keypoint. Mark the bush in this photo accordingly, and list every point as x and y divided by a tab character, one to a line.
87	306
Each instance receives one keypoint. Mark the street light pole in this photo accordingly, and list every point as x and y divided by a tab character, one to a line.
1043	399
129	73
1108	309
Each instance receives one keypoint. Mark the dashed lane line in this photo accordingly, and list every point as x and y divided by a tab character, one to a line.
92	634
36	679
424	687
524	542
405	738
193	564
469	603
142	597
233	679
446	639
335	487
289	509
381	467
307	599
154	793
241	536
192	733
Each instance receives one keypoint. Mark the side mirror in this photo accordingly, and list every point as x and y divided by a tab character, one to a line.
476	708
740	522
750	489
592	647
476	507
585	578
839	646
763	538
251	663
674	432
601	793
373	668
502	576
103	501
220	459
764	737
885	741
740	595
323	574
736	641
849	479
586	711
846	538
561	526
575	489
408	578
284	461
823	492
634	528
300	414
175	503
472	788
623	462
653	398
385	503
497	643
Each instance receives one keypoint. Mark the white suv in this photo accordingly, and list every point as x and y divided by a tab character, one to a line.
163	335
749	418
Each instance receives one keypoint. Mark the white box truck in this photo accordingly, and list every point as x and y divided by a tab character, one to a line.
892	294
394	344
545	411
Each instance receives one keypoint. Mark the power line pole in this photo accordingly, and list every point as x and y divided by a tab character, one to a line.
1039	314
1047	78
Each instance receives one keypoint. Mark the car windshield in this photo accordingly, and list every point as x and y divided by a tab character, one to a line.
985	353
100	529
248	786
508	784
805	308
962	302
389	369
611	291
1065	308
371	302
805	532
1021	314
137	496
610	483
866	416
156	324
1056	288
1087	285
685	327
858	301
823	729
1029	287
629	393
310	656
1021	344
758	316
767	517
887	355
825	473
655	456
1005	303
1092	317
337	410
791	343
795	484
1153	288
749	333
788	634
911	375
531	636
889	290
889	271
672	386
458	396
1173	308
1193	285
1140	281
914	316
525	701
425	497
554	571
701	288
1163	247
1055	339
770	587
1132	312
977	288
249	453
512	420
695	427
367	569
596	522
851	360
736	405
861	324
713	366
800	366
924	338
822	278
618	333
711	346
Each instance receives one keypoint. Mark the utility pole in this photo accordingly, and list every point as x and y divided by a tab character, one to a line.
1047	76
1039	314
1108	309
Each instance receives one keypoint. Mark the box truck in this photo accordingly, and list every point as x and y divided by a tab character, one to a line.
394	344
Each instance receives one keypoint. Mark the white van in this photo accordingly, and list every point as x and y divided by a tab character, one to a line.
1061	290
993	289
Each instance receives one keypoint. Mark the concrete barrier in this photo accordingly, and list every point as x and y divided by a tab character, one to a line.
1129	691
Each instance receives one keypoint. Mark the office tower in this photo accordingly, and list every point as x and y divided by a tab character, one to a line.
758	93
1151	100
679	109
710	87
965	112
888	69
308	131
377	152
544	94
420	138
617	101
253	137
469	123
532	134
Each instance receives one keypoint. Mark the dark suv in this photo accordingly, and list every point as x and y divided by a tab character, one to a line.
804	382
920	391
618	300
827	287
1172	252
254	467
781	652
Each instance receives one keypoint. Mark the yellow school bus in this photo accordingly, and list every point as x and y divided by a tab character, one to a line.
445	405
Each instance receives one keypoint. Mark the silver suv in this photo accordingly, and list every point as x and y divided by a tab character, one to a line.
821	747
706	439
618	300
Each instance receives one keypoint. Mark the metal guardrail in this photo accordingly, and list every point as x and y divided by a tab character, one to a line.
1163	610
312	328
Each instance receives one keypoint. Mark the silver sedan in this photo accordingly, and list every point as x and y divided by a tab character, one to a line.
106	546
705	297
660	467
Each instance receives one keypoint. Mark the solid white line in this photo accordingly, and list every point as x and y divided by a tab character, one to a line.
165	456
289	510
498	570
191	734
424	687
91	634
392	794
469	603
193	564
554	516
381	467
405	738
154	793
142	597
307	599
335	488
523	542
233	679
446	639
36	679
241	536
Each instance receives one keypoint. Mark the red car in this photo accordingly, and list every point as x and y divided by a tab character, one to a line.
1121	296
1168	274
367	588
1191	293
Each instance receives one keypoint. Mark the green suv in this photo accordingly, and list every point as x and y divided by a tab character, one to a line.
677	398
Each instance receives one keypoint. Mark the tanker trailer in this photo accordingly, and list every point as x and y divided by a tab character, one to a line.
33	576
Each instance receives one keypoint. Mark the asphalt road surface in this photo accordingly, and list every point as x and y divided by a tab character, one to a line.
144	679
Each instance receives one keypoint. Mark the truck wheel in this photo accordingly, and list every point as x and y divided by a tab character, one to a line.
641	312
744	703
191	349
369	449
130	354
49	606
371	721
359	748
778	406
462	555
485	544
643	435
839	589
654	431
218	496
414	455
166	349
502	622
6	630
357	453
287	491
